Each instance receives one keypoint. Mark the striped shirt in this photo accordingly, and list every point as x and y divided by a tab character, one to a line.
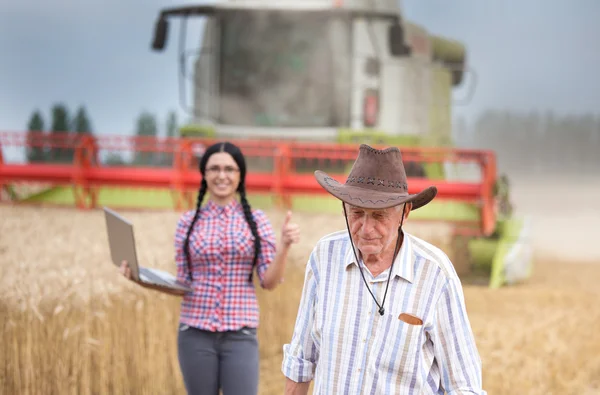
222	252
342	342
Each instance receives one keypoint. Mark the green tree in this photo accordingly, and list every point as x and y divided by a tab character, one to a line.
81	122
81	126
60	127
35	135
145	153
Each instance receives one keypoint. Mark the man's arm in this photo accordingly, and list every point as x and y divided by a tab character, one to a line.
300	356
454	343
293	388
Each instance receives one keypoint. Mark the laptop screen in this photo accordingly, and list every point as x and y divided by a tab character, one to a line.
121	241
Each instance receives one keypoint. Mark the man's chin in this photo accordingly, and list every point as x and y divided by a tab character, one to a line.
369	249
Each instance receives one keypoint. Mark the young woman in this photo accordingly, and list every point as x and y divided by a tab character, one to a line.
218	247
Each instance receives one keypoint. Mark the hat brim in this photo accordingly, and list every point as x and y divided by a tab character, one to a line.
368	198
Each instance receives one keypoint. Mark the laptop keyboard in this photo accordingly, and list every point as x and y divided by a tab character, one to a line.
147	276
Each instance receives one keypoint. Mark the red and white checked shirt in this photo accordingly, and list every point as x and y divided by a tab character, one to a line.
221	249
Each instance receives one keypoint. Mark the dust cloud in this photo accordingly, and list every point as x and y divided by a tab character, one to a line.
553	164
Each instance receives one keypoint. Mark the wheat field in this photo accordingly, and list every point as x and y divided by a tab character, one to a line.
72	325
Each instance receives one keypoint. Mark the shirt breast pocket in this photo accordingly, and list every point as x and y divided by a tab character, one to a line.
243	246
401	344
200	248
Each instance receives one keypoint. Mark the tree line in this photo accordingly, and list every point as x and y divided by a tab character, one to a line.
40	149
525	142
535	143
60	124
149	153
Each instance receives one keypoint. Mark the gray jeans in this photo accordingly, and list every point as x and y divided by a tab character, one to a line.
213	361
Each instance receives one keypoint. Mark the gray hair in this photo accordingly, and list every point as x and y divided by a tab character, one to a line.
398	207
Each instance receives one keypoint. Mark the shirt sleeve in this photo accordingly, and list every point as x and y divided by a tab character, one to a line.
300	356
454	343
181	229
267	243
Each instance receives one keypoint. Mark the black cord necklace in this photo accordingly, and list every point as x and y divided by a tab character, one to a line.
381	308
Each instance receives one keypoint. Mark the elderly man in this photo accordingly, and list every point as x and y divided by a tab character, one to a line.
382	311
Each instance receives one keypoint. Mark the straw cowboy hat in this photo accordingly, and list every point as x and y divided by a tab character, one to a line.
377	180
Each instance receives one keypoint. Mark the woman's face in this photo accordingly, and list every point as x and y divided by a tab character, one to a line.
222	177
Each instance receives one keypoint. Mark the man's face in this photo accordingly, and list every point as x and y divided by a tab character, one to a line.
374	230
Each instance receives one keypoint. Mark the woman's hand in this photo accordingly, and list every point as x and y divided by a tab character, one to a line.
126	271
290	232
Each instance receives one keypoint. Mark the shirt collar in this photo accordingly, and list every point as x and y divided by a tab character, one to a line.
212	209
403	265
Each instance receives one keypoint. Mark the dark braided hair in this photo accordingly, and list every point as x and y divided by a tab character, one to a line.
239	159
186	245
251	223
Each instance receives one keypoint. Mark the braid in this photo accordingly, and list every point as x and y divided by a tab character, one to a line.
186	245
252	224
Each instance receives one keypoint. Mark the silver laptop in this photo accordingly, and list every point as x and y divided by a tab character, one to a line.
122	247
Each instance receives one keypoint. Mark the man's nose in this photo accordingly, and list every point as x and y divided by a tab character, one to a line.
367	225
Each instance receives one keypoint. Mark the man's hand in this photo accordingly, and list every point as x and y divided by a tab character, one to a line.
290	232
294	388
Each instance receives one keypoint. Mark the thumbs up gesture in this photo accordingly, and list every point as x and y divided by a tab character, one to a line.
290	232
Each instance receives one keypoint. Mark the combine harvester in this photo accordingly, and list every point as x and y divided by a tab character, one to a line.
348	71
298	85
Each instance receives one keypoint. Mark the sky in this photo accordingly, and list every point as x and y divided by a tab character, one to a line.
527	55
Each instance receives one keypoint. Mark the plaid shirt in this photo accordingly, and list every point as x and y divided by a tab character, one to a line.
221	251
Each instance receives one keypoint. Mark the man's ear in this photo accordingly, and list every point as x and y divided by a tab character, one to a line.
407	209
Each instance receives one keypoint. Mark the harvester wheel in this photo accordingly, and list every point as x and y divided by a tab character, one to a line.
461	256
465	263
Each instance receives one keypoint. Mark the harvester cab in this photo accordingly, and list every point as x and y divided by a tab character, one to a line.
318	70
345	72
